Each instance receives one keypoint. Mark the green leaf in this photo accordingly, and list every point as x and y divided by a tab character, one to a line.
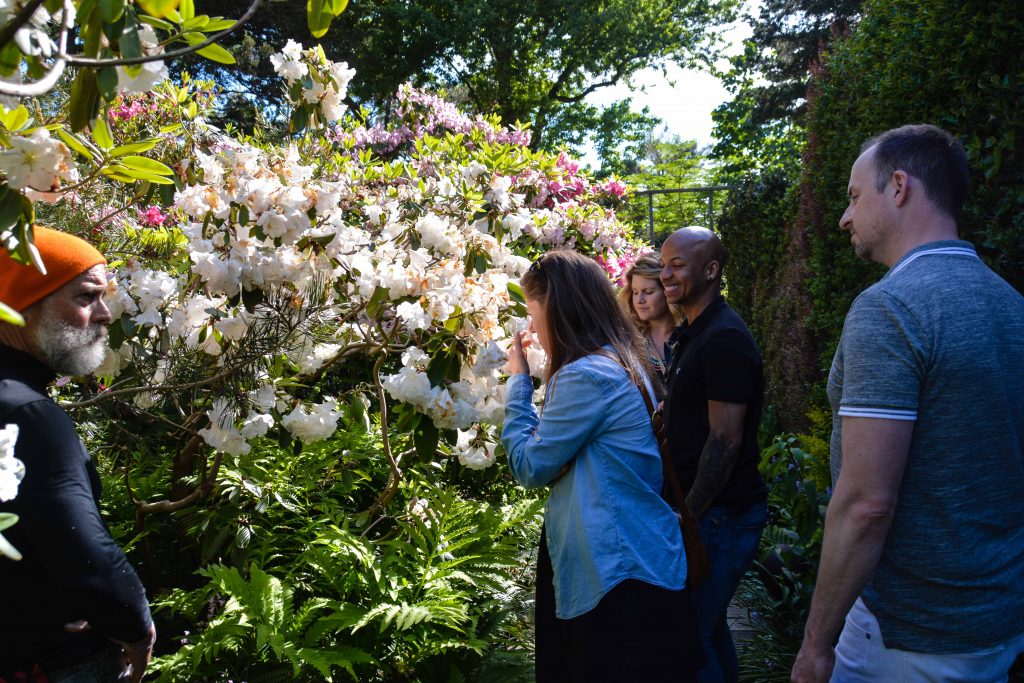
110	10
10	58
216	53
218	24
299	119
15	119
187	9
516	293
195	23
439	368
106	79
85	100
9	315
425	439
148	165
160	8
141	146
11	205
373	306
129	41
75	143
101	134
212	52
319	16
124	174
157	23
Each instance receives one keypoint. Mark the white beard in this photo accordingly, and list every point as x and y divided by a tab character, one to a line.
71	350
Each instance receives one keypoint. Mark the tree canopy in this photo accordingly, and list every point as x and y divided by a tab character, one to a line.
761	126
528	61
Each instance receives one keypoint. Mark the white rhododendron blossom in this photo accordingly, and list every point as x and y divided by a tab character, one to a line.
288	63
37	162
473	452
12	470
313	423
321	82
222	435
353	248
256	425
32	38
143	77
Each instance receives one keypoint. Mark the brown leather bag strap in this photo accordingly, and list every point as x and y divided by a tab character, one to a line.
668	467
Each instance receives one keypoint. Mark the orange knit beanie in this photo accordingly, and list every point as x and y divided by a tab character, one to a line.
65	257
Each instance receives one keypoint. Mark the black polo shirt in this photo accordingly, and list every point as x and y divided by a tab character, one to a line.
715	359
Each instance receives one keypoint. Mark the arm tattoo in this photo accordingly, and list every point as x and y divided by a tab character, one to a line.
713	471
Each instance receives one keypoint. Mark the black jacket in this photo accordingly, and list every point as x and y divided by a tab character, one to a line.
71	567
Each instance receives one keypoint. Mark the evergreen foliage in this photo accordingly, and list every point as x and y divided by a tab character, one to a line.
957	65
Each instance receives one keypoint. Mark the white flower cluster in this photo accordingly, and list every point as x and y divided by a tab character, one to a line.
474	451
12	470
476	397
313	423
144	77
37	162
32	38
328	80
416	253
222	434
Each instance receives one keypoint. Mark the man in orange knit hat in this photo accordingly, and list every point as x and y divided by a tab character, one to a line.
74	609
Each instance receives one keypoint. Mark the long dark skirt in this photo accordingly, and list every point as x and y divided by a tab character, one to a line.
637	633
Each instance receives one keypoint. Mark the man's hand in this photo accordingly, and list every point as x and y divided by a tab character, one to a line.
137	656
813	665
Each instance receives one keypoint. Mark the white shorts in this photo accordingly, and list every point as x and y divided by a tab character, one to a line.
861	657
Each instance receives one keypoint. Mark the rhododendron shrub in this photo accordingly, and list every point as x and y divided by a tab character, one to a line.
402	244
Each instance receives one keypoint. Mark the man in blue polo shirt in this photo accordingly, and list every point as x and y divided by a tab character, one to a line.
716	389
924	538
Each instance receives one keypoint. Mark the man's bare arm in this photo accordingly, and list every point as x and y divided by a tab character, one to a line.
858	520
718	459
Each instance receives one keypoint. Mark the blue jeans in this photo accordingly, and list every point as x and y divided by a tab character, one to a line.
731	540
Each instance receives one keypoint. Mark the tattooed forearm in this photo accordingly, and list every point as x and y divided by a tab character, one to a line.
716	464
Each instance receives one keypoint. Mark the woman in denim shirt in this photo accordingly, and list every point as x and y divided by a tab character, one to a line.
623	613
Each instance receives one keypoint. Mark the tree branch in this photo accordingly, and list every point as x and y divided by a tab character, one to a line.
569	99
200	491
138	390
79	60
391	488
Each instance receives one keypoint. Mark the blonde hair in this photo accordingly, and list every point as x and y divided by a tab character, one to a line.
649	266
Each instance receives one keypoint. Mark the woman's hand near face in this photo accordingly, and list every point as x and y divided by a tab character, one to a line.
517	355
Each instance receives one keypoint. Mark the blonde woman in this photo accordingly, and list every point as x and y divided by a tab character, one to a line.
643	298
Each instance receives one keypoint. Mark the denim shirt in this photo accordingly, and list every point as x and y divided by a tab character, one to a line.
606	521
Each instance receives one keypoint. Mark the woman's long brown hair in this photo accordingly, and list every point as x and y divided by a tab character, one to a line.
582	313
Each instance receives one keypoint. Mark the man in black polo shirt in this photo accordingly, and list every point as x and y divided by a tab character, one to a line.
716	389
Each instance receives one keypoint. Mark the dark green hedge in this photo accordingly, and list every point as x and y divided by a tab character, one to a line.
765	285
956	64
